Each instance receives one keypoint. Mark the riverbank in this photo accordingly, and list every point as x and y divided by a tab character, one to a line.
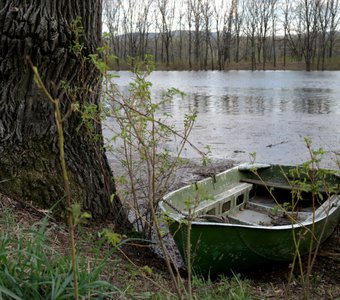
333	65
137	273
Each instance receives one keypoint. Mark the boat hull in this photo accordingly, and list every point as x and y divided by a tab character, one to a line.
220	247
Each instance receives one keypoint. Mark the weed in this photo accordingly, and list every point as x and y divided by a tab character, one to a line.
225	288
31	269
143	133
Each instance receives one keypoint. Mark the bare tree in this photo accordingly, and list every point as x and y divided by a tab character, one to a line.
167	12
227	31
218	21
303	29
194	19
250	26
274	32
181	35
207	13
189	20
266	24
238	20
285	30
324	21
220	32
334	7
112	11
143	26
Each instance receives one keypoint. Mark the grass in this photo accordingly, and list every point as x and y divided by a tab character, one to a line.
32	269
34	265
226	288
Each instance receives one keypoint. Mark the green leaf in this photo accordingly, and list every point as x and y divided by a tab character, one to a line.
9	293
112	237
85	215
76	210
147	270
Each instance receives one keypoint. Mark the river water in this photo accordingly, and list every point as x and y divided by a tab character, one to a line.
267	112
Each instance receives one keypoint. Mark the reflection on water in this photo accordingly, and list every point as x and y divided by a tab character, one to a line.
243	92
268	112
256	101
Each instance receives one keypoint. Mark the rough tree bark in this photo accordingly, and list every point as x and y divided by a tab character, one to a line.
29	156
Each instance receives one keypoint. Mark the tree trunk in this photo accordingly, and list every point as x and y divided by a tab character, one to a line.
29	154
189	47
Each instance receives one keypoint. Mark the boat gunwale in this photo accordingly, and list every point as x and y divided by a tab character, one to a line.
177	216
276	227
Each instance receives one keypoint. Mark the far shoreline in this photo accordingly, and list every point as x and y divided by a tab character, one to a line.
244	66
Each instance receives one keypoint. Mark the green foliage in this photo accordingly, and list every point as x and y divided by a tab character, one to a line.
77	28
144	133
112	237
147	270
147	160
31	269
79	216
225	288
100	64
252	157
310	177
276	209
283	209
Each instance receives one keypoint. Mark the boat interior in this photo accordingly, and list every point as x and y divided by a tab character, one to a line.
252	202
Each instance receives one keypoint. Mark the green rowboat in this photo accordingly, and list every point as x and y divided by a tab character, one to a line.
252	215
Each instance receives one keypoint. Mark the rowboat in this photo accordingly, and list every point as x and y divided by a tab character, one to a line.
252	214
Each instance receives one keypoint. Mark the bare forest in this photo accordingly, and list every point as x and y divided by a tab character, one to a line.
225	34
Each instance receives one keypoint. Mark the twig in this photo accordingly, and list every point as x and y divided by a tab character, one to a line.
59	122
